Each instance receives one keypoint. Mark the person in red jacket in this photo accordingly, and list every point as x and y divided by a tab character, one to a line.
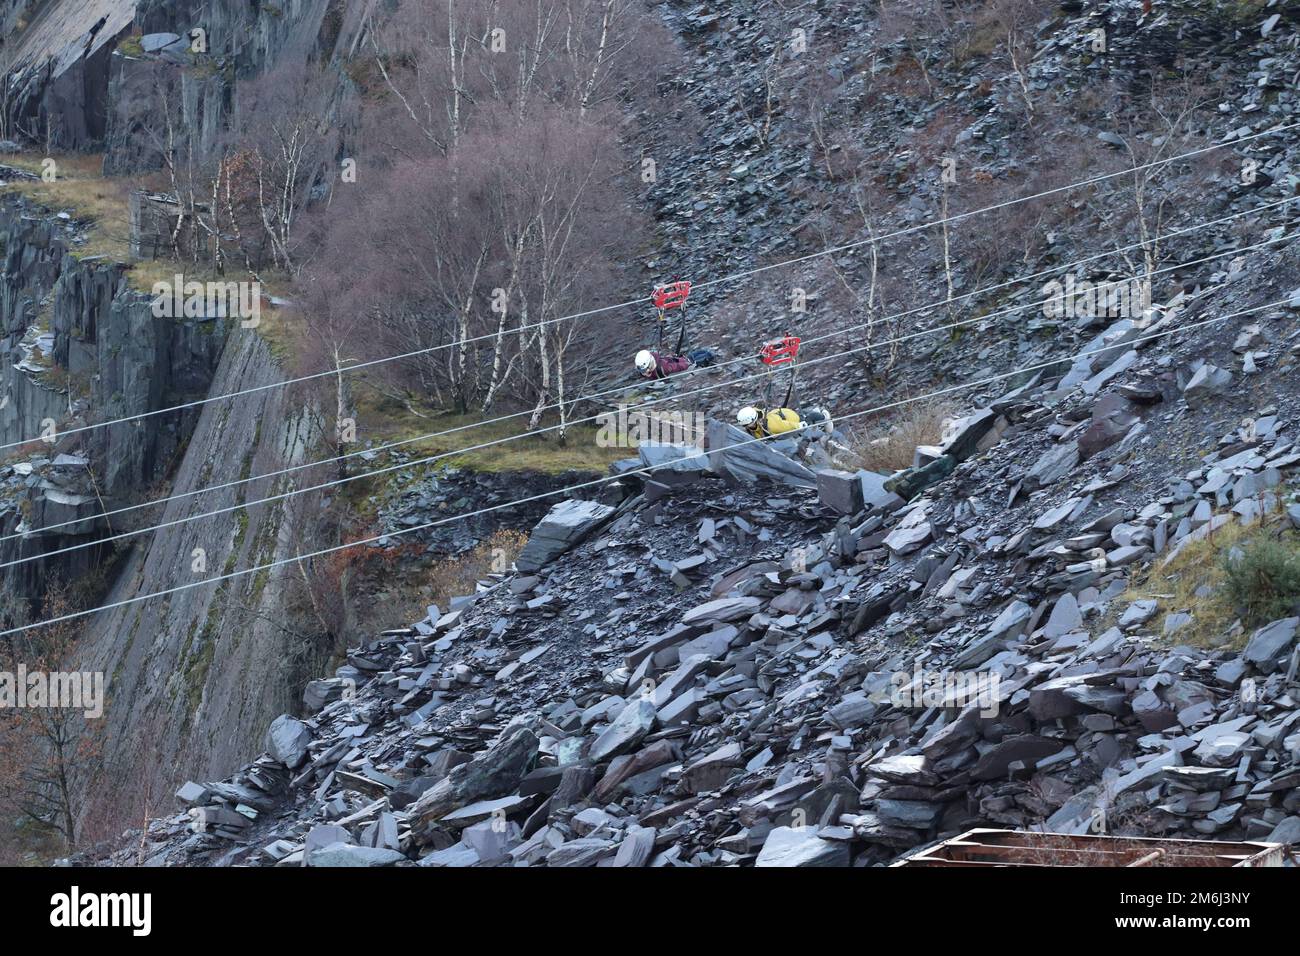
657	365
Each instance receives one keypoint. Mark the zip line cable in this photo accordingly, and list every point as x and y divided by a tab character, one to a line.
1002	205
643	299
601	481
499	441
731	362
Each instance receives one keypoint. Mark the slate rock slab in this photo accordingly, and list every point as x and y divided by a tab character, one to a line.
1207	383
974	433
1053	465
839	490
153	42
1024	749
688	459
287	740
492	773
721	610
874	493
564	526
346	854
734	454
627	730
787	846
1271	643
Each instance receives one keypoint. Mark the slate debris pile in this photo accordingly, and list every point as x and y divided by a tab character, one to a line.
751	674
419	496
823	667
741	191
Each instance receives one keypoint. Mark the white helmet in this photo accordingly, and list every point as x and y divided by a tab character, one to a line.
747	416
645	362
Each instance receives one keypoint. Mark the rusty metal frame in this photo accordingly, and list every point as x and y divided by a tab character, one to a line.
982	847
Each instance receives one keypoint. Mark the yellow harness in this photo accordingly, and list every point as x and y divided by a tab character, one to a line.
779	421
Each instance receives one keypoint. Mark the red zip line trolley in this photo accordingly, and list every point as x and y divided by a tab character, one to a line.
780	351
776	352
672	295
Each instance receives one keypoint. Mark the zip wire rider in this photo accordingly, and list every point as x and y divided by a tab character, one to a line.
767	422
660	364
784	422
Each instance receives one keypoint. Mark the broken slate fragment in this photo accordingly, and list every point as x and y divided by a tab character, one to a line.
153	42
627	730
874	493
1139	612
346	854
1052	466
318	693
735	454
1206	383
1011	622
912	533
1066	696
564	526
839	490
1271	643
493	772
287	740
722	610
1016	754
977	432
1065	617
788	846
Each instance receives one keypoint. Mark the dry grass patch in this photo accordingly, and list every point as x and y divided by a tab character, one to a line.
889	444
458	576
385	419
103	205
81	190
1217	592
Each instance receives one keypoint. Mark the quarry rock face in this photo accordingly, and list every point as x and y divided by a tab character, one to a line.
59	63
100	330
770	653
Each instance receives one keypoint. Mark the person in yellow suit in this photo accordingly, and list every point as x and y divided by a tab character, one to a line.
778	422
